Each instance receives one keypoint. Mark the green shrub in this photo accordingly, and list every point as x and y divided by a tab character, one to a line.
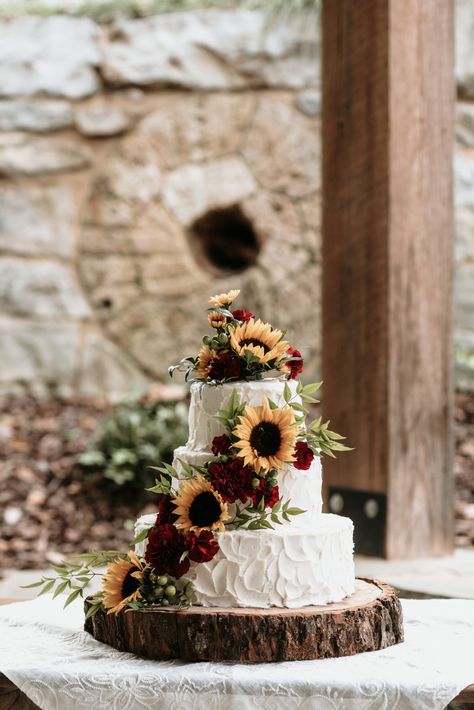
136	436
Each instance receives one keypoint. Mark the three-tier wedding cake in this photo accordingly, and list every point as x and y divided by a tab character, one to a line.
240	520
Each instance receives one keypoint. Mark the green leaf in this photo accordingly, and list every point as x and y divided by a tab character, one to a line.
142	535
200	469
233	402
308	399
287	394
334	436
187	468
33	584
295	511
311	388
72	596
47	587
60	589
93	609
339	447
315	425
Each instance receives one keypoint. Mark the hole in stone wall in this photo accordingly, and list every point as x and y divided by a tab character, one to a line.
224	240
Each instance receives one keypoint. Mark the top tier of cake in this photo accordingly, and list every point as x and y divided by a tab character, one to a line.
206	400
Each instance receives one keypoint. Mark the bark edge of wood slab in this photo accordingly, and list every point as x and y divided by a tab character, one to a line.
369	620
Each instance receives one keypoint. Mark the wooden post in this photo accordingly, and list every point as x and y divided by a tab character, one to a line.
388	94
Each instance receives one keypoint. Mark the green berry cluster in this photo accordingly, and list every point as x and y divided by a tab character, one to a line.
164	590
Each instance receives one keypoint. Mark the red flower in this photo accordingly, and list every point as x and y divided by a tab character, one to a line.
304	456
221	444
231	479
166	545
296	366
202	548
241	314
165	510
270	494
225	367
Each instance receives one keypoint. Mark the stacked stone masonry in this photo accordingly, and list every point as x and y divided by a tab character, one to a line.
127	150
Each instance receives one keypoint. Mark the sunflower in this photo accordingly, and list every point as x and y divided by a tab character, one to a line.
199	507
121	583
205	358
260	339
216	319
266	436
222	300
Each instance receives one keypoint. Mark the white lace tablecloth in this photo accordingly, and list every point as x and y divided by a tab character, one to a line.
44	651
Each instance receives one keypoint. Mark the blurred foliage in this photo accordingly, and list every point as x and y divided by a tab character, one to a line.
107	10
136	436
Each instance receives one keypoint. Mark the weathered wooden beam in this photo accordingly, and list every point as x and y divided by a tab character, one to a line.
388	94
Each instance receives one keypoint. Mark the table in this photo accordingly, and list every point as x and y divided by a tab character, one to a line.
452	621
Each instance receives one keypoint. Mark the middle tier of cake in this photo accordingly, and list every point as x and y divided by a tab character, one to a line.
301	488
285	567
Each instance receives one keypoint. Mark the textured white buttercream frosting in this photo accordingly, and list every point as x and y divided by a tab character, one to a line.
206	400
285	567
302	488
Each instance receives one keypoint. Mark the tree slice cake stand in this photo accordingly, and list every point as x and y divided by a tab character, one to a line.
368	620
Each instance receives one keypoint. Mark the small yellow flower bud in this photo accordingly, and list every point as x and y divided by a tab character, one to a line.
216	319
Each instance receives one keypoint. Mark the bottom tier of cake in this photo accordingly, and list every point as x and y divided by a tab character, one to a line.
282	567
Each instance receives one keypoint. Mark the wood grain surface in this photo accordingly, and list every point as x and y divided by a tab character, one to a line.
369	620
387	260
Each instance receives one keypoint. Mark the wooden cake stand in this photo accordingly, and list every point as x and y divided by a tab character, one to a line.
368	620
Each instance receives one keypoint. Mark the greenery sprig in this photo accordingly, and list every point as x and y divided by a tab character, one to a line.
323	441
75	576
229	416
318	436
262	518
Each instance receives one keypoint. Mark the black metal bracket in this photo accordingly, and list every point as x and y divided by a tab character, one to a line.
368	512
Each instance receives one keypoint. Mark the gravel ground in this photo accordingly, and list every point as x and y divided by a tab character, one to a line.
46	510
48	513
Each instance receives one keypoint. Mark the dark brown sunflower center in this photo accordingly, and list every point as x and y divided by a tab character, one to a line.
255	341
204	510
265	439
130	584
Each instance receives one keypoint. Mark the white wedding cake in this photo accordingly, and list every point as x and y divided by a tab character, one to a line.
240	518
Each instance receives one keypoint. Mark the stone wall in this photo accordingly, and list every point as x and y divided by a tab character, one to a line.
126	151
